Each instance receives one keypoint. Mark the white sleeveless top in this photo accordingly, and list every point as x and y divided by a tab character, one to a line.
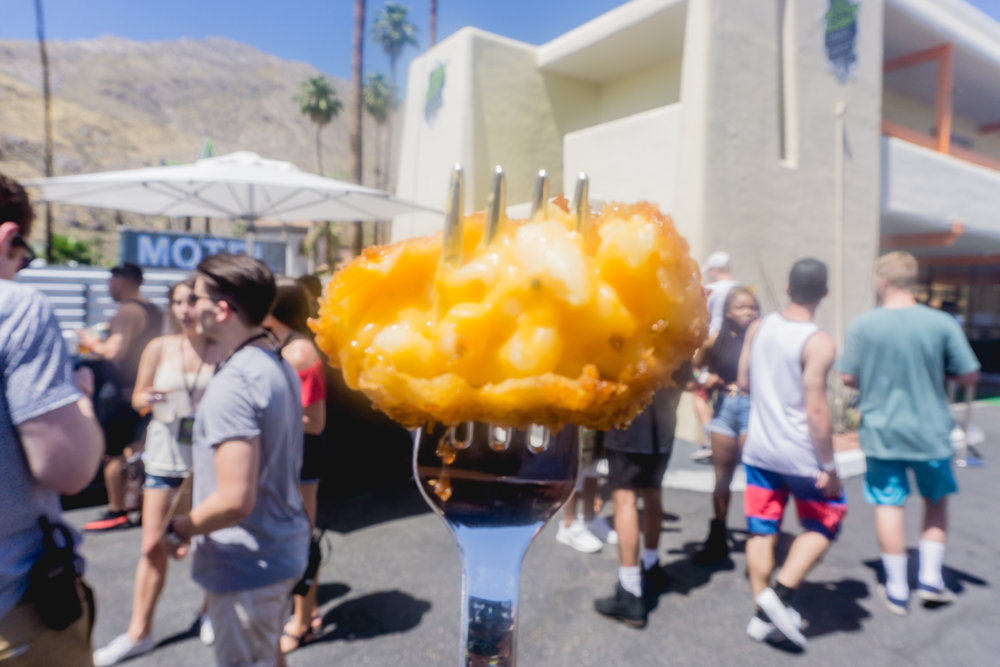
163	455
778	433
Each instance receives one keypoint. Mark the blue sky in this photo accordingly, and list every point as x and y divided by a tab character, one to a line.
314	31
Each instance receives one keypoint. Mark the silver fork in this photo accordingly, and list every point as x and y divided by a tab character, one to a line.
494	487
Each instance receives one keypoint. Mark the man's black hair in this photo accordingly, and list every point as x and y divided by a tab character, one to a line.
807	281
15	206
243	282
129	271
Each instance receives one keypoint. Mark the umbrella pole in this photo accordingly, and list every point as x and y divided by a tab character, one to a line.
251	236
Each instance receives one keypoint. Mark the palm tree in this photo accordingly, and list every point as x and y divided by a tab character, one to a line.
357	59
319	101
376	98
432	30
394	32
47	97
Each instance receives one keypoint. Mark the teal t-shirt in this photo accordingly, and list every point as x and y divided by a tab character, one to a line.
901	357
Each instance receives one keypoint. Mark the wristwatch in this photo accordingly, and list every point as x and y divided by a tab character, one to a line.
829	467
174	538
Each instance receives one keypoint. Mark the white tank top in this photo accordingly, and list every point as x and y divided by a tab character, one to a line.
163	455
778	433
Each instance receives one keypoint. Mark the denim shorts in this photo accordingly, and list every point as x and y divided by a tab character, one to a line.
886	480
732	414
161	482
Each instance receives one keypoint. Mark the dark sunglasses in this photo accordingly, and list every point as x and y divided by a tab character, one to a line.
29	255
192	300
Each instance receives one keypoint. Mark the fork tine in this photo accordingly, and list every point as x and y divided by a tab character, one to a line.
538	438
496	213
581	203
451	249
540	199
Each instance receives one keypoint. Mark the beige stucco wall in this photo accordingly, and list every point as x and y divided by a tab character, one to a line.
628	159
499	108
765	211
432	145
651	87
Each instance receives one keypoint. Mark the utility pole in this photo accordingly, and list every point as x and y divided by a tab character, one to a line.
47	97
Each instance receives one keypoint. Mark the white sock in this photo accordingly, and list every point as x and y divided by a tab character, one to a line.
895	576
649	558
931	561
631	579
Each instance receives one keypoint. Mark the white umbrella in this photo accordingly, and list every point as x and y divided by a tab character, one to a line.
240	185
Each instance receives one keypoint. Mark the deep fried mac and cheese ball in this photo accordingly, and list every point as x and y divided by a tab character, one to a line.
544	325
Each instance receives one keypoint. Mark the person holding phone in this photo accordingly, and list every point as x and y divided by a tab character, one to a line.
173	373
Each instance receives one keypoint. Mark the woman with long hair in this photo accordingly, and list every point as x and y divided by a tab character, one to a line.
288	322
731	412
173	373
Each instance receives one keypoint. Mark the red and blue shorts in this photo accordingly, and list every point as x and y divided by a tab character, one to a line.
767	494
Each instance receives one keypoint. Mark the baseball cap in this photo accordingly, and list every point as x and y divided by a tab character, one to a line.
129	271
717	260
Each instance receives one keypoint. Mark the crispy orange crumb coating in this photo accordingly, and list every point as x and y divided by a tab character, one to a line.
544	325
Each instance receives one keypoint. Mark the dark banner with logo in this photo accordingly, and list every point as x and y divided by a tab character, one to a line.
172	250
841	37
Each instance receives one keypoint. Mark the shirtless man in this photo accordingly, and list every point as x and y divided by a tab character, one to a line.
135	324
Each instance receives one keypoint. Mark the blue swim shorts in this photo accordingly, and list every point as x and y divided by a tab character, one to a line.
767	495
886	480
732	414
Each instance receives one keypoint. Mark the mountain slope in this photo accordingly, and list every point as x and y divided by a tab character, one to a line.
119	104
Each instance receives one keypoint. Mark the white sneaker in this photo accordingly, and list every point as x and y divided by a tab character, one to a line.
578	537
205	630
601	528
121	647
784	618
760	630
703	453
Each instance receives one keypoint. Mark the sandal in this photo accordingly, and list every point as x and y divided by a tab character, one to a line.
297	641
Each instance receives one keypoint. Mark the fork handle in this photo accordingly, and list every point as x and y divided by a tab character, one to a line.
491	571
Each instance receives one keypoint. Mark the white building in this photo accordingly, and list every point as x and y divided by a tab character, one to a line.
733	117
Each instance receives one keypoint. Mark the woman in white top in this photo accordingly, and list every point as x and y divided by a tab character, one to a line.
173	373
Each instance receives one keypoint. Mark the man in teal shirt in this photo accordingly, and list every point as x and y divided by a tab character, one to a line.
899	356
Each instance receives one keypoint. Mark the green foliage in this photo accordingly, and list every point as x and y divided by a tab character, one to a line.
319	100
393	30
66	250
377	97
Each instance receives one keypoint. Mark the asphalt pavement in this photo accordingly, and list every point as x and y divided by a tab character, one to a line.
391	579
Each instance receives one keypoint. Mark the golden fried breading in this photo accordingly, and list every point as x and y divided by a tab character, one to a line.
544	325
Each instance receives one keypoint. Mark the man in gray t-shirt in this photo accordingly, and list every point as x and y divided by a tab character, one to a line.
249	528
50	443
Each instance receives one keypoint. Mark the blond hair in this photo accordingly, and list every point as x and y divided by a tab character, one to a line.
898	268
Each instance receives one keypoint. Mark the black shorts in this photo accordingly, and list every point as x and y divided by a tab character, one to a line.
122	427
313	458
627	470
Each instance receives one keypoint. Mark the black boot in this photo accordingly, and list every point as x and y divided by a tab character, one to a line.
624	607
715	548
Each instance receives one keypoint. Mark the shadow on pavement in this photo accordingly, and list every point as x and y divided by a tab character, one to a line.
832	606
331	591
190	633
372	615
344	515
